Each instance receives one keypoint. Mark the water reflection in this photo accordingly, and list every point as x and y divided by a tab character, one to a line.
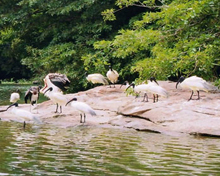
101	151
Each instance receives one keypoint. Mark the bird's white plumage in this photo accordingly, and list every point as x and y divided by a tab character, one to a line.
97	78
82	107
112	75
155	89
14	97
56	97
196	83
24	115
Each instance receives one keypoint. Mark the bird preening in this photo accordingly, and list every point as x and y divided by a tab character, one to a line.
97	78
151	87
112	75
195	83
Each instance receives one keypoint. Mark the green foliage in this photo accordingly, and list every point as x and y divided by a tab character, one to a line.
140	38
181	37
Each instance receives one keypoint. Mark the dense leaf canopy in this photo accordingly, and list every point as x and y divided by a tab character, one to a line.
162	38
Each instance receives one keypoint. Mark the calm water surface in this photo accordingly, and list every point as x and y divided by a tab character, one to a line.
49	150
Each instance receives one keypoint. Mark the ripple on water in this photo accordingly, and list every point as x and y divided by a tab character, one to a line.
103	151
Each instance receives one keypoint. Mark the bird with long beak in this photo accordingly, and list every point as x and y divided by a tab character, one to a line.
57	97
112	75
59	82
195	83
82	107
22	114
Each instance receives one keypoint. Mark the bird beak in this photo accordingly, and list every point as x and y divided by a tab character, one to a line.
68	102
46	91
74	99
129	86
156	81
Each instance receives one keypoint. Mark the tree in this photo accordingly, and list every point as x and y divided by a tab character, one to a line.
174	38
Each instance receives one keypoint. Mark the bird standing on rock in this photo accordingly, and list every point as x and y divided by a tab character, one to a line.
156	89
15	96
57	97
112	75
97	78
195	84
32	94
82	107
59	82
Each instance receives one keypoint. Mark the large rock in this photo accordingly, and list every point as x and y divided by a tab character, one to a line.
174	115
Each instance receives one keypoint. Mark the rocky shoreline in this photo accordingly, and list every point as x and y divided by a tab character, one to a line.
174	115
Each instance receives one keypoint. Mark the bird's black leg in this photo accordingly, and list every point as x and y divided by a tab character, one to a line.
154	98
157	97
81	118
145	96
84	118
56	108
24	125
198	95
60	109
191	96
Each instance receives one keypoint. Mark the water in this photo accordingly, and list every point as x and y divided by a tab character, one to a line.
82	150
7	89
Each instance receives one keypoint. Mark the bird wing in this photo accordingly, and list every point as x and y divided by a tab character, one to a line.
97	78
59	80
27	96
83	107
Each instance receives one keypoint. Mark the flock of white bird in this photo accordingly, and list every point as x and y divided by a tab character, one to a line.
55	83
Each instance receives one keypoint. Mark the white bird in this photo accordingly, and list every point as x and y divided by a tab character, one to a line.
156	90
32	94
151	87
82	107
195	84
15	96
22	114
112	75
57	81
57	97
97	78
138	89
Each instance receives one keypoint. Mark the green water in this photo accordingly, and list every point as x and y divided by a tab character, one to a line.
82	150
48	150
7	89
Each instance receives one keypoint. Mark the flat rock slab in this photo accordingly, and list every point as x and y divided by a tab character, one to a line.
174	115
